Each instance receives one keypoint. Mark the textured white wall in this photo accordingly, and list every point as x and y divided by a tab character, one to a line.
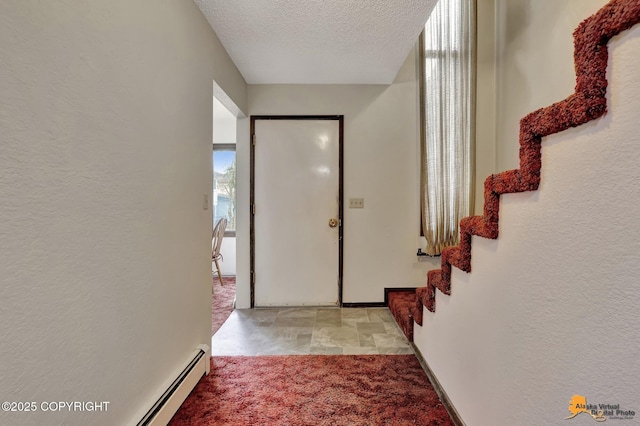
243	246
106	154
550	308
230	87
380	151
525	26
485	98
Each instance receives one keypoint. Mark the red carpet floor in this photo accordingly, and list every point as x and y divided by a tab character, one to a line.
313	390
222	303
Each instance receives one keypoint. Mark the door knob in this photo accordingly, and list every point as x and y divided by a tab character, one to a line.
333	223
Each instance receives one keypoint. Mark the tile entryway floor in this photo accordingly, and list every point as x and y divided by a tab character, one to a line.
303	331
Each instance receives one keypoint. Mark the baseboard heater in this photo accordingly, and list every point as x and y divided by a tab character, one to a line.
168	403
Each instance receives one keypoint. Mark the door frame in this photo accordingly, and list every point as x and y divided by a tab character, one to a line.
252	145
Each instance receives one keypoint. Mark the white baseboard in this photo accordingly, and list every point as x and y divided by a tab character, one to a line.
168	403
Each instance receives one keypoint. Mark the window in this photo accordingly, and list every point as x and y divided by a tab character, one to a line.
447	127
224	186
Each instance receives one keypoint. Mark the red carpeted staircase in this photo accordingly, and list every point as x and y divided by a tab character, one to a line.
401	303
587	103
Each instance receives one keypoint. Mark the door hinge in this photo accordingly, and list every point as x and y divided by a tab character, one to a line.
253	139
253	277
253	209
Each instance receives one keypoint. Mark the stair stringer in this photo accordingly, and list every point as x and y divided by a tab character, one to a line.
587	103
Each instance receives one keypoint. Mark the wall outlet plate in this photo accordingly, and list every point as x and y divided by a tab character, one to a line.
356	203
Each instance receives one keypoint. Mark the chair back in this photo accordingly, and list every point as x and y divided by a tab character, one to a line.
216	237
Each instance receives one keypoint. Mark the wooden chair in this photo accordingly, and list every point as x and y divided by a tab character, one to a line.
216	243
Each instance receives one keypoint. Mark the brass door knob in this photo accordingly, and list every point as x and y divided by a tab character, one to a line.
333	223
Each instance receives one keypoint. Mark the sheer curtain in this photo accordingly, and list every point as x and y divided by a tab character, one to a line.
447	104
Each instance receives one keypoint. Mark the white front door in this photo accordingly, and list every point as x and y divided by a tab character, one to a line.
297	209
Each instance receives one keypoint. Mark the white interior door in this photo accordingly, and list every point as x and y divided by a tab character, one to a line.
296	196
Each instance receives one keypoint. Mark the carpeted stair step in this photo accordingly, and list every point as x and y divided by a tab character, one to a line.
402	304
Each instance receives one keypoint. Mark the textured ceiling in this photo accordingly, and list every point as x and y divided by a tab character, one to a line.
317	41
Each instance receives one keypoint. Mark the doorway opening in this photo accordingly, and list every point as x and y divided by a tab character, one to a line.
223	200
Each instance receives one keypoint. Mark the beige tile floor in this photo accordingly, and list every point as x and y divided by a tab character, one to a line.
302	331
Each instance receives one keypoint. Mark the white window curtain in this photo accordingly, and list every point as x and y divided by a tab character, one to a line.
447	104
